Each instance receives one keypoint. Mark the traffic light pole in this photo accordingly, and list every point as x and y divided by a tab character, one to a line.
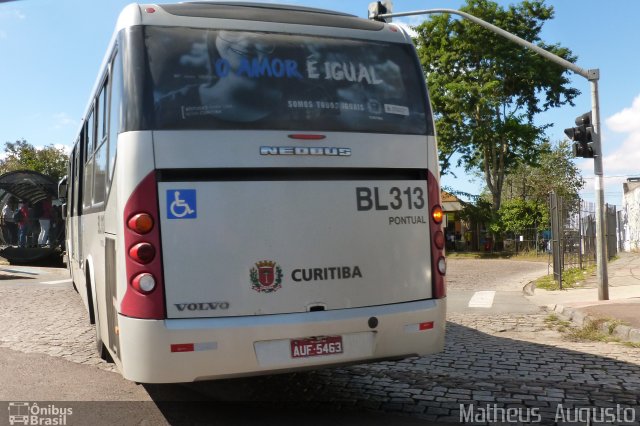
593	75
601	240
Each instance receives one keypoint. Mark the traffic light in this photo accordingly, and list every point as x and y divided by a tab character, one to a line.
582	136
380	8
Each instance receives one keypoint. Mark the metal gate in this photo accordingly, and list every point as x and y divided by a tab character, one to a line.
573	233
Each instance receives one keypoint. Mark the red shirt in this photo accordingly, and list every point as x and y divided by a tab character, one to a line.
25	216
46	209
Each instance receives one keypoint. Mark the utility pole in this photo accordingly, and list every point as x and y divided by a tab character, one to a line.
592	75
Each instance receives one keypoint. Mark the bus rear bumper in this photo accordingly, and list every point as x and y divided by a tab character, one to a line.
186	350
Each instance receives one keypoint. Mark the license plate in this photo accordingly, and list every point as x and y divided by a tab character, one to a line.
316	346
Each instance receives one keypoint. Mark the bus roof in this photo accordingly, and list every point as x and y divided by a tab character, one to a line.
156	14
271	13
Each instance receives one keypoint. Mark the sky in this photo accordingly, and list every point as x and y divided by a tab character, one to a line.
51	51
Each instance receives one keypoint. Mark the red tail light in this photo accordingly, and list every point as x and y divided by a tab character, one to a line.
142	252
438	262
144	297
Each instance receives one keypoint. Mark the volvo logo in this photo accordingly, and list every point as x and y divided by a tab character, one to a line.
200	306
303	150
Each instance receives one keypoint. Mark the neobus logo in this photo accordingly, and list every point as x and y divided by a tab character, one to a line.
303	150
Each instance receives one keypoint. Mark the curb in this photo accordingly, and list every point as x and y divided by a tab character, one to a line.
609	328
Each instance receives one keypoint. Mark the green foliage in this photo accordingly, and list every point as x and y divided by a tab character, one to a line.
555	172
486	90
21	155
516	215
480	212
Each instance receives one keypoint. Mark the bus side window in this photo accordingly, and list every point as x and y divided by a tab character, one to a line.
115	113
89	136
75	195
100	156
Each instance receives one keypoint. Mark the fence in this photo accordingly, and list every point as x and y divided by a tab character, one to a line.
531	240
573	234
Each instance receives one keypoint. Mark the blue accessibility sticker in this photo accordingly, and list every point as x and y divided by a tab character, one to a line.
181	204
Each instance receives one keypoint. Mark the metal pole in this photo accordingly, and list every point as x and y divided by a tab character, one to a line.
601	243
593	75
580	233
540	51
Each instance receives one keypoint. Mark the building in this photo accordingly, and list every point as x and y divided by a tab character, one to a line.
629	216
455	229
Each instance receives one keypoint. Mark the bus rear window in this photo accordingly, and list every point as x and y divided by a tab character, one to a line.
219	79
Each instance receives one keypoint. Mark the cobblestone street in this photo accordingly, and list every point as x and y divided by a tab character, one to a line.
50	321
512	361
495	274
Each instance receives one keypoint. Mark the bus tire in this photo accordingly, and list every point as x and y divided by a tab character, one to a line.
92	315
102	350
94	319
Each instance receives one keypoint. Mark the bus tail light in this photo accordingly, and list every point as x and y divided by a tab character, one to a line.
140	223
437	214
144	283
439	240
144	297
142	252
438	262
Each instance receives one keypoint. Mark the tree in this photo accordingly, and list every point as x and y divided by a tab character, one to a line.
477	213
21	155
555	172
485	89
526	191
517	215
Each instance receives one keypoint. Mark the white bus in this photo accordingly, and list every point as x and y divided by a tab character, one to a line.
254	190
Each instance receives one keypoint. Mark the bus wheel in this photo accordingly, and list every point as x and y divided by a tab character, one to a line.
95	320
100	346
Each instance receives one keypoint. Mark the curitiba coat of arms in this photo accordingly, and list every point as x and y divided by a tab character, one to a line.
266	276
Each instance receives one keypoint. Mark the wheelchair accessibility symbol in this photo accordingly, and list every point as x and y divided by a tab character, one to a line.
181	204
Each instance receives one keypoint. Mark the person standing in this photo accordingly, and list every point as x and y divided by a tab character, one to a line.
45	222
8	224
33	226
23	223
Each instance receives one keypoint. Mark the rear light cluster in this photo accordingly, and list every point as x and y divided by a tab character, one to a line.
144	297
438	262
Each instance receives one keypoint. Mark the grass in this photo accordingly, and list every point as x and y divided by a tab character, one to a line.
591	331
598	330
555	322
570	278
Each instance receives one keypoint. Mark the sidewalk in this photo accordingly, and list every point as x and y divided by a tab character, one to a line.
622	310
